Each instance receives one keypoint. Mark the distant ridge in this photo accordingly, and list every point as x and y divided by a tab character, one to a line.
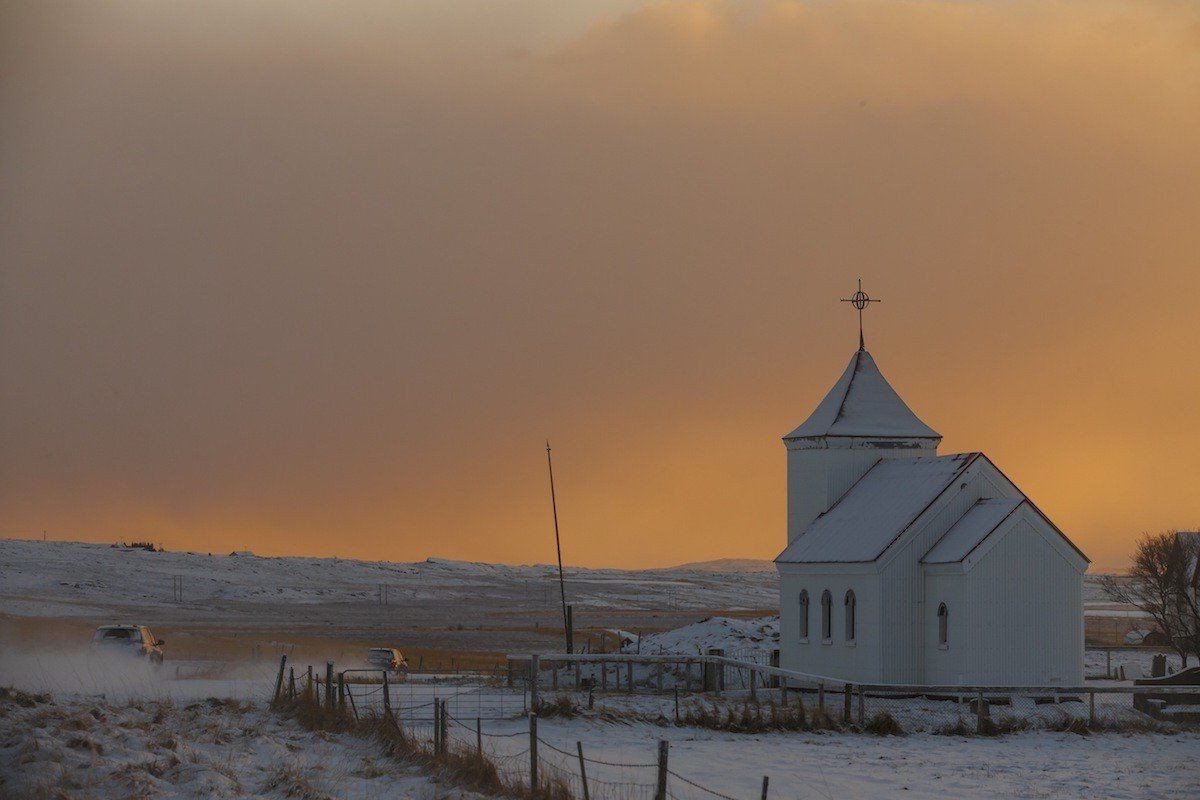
730	565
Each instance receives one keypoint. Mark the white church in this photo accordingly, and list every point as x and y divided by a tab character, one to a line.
908	567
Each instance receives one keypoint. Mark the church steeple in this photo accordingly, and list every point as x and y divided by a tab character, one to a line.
860	421
863	404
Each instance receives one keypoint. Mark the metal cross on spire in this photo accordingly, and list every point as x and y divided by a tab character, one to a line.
860	301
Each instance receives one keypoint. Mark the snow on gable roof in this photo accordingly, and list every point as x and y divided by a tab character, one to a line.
863	403
971	529
876	510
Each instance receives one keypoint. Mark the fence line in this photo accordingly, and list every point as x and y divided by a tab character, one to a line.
805	702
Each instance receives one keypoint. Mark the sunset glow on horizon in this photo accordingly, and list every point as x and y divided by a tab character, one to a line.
321	279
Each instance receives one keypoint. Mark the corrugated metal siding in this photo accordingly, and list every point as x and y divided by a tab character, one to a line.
861	662
1023	621
904	578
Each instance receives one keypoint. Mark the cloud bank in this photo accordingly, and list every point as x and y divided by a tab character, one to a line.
322	278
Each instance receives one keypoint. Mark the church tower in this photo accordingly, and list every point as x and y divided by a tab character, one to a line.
860	421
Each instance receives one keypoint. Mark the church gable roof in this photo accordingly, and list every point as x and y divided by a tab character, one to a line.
863	403
876	510
981	519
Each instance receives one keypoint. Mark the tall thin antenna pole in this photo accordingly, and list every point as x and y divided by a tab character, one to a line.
562	586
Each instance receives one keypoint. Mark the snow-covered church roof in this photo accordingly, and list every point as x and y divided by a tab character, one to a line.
863	403
877	509
971	529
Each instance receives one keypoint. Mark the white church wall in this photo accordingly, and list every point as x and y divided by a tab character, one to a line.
1021	621
903	576
945	664
857	661
818	476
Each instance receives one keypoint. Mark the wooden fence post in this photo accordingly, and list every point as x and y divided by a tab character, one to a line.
847	693
341	691
387	697
629	676
1092	710
661	792
292	682
775	679
533	757
753	690
309	690
862	706
821	695
444	737
676	705
582	771
766	782
980	712
279	677
329	685
603	676
437	727
534	668
478	737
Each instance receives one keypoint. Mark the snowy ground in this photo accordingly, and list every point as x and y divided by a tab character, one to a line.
88	747
230	749
176	744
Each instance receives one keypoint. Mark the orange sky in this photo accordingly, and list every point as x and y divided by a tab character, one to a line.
320	278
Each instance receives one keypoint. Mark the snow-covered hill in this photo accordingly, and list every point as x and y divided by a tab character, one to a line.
59	579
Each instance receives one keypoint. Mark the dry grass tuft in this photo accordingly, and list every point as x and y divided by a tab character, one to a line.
288	780
883	724
561	706
756	718
16	697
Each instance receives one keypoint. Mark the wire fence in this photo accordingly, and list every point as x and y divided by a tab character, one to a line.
716	691
500	724
498	719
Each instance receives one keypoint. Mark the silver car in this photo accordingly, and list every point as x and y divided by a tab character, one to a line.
128	640
388	658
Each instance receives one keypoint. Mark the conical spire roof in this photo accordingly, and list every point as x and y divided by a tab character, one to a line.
863	403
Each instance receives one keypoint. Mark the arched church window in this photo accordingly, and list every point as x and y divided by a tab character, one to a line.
804	615
826	615
943	626
851	615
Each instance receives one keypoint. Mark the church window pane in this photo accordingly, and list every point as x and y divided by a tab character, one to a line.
851	615
826	615
943	625
804	614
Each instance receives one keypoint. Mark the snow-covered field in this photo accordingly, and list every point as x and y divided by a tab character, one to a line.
88	747
160	733
106	742
433	604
